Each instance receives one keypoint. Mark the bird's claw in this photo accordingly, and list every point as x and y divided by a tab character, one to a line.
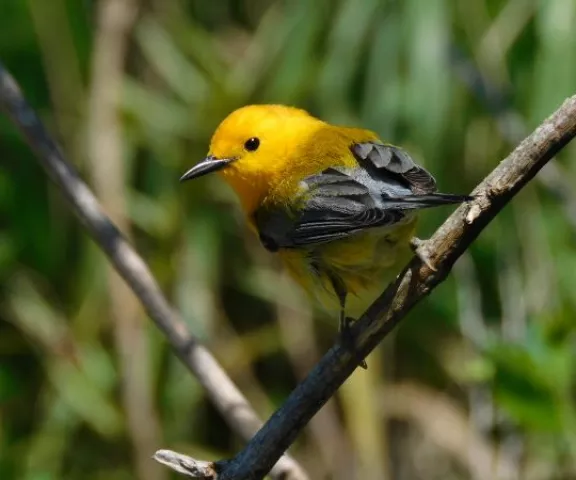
348	340
418	246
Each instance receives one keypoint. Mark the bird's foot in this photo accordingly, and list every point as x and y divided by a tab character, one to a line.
348	340
419	248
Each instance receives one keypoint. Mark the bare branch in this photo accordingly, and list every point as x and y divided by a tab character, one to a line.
219	388
414	283
187	465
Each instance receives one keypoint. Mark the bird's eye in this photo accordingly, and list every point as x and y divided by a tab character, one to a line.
252	144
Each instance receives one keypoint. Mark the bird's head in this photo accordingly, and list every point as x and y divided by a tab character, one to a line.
253	149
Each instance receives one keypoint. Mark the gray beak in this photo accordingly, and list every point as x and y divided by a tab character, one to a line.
208	165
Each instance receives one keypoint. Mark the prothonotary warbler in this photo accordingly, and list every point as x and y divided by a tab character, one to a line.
337	204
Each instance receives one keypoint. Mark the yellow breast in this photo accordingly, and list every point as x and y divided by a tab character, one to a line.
366	263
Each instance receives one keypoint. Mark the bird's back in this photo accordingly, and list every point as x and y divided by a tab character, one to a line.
322	146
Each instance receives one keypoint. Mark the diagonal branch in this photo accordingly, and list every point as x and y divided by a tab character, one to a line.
218	386
412	285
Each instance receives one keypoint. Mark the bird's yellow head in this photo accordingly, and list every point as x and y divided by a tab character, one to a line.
253	149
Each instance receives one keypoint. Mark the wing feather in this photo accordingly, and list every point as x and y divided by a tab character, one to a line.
336	206
388	161
337	203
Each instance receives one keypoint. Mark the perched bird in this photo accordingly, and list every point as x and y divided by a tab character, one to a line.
337	204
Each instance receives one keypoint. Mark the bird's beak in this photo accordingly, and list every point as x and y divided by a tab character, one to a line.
208	165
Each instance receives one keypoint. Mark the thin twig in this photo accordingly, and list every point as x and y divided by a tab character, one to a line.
414	283
218	386
187	465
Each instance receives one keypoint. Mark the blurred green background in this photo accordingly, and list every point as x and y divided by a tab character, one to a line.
478	382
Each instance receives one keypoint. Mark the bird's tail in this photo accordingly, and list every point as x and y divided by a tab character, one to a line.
428	200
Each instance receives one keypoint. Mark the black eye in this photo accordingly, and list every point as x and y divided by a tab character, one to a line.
252	144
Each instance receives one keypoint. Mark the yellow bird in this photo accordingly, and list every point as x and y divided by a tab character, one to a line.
337	204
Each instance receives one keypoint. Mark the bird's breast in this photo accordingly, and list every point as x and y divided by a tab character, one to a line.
365	262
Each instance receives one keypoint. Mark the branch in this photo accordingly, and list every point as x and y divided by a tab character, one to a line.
412	285
188	465
219	388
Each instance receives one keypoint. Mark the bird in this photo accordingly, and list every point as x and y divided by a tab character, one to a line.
337	204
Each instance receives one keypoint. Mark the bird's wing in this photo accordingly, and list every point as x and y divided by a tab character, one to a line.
339	202
334	206
392	165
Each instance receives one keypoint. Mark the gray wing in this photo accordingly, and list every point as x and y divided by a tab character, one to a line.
390	164
337	203
336	206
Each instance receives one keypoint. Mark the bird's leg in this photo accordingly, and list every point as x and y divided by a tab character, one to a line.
345	330
344	323
418	246
347	339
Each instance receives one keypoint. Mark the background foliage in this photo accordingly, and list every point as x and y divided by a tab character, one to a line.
477	383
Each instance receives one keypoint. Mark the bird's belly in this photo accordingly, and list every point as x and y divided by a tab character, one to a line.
364	262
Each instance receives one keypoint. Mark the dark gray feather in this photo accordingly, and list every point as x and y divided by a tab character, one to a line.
337	202
335	206
390	162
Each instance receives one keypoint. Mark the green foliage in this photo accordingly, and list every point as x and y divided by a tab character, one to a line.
454	81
